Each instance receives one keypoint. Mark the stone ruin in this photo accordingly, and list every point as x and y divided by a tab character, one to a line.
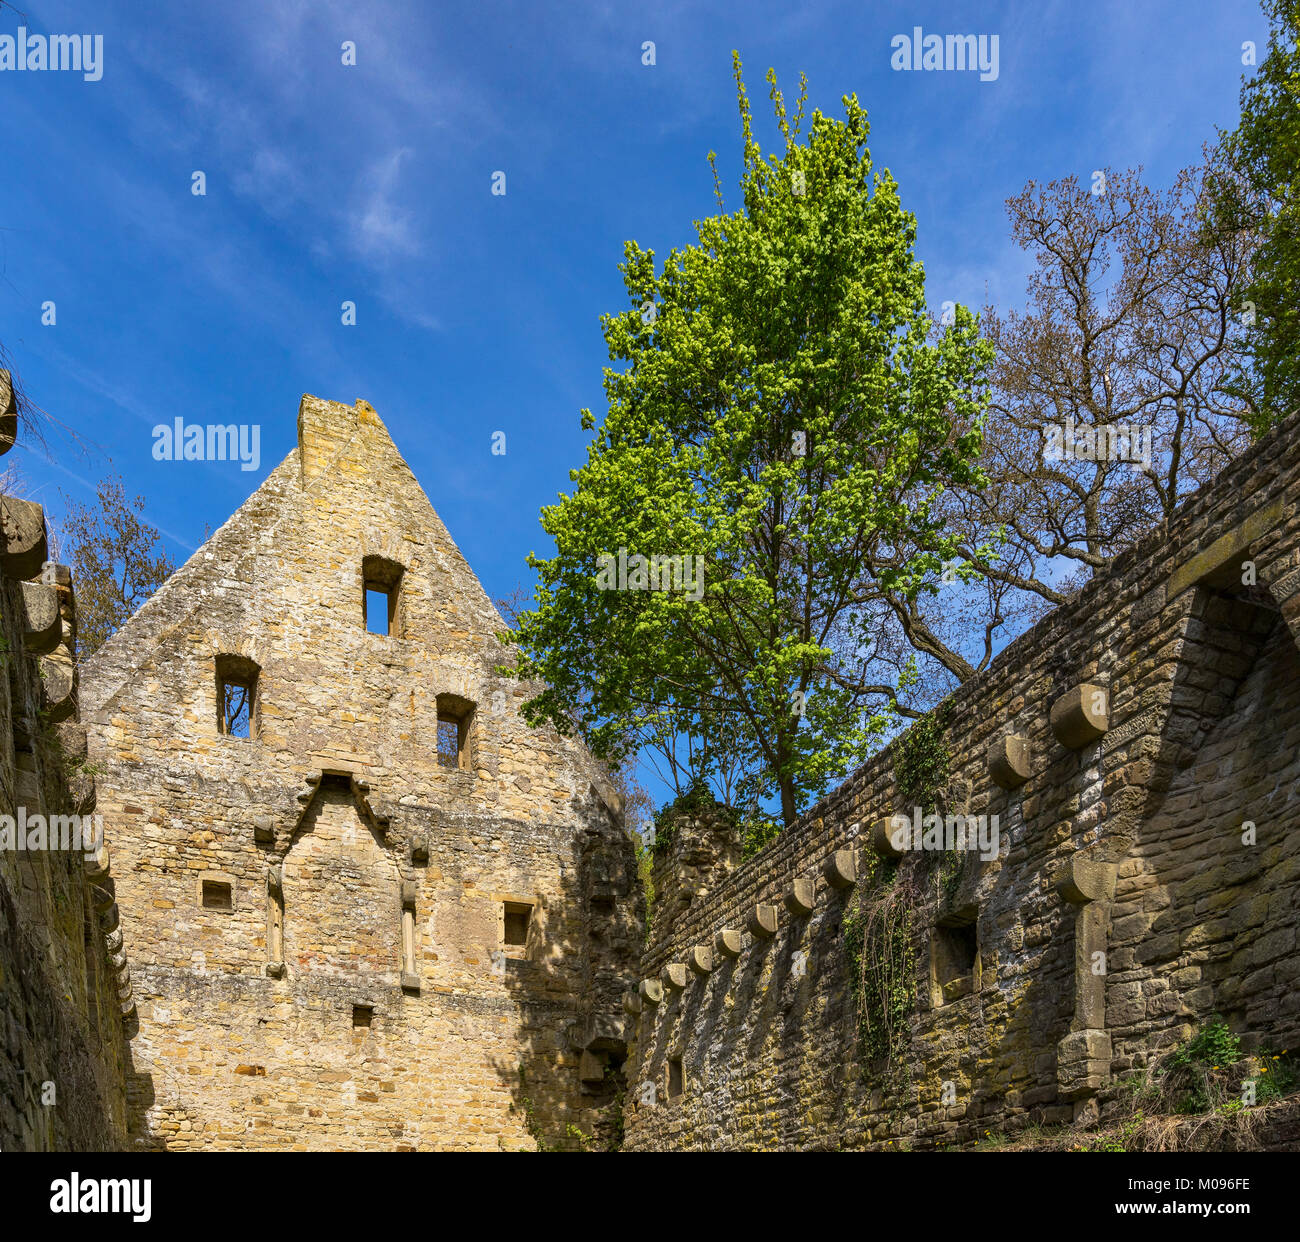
1139	751
366	906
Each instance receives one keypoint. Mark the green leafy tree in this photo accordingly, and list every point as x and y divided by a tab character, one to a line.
115	558
789	414
1261	197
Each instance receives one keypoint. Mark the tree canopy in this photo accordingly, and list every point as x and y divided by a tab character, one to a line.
785	421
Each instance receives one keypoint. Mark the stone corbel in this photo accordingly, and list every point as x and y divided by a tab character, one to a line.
275	921
1083	1057
410	977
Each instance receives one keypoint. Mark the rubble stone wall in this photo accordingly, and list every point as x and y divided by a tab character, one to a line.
1140	748
65	986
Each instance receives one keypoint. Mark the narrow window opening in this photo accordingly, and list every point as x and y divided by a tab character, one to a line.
675	1078
955	960
362	1016
455	725
517	918
379	611
237	697
381	582
217	895
448	742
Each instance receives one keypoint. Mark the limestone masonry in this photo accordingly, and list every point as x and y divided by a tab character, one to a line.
64	980
1140	747
377	910
349	899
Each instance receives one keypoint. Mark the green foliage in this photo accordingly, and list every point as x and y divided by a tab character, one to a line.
1279	1076
787	411
879	946
1214	1045
644	870
1265	154
1117	1140
922	761
757	833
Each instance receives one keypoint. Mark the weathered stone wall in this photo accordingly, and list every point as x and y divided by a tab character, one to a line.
1126	744
362	875
64	981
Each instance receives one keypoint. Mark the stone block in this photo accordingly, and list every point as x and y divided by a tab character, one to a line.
1081	715
700	959
23	548
652	991
762	921
410	982
841	869
673	976
54	574
408	894
591	1068
1085	878
42	618
727	943
801	898
1083	1063
263	830
58	685
8	413
632	1003
96	863
1009	762
883	840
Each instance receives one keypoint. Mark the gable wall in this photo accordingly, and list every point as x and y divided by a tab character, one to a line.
340	789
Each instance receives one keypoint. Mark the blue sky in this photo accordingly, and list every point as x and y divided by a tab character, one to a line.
479	313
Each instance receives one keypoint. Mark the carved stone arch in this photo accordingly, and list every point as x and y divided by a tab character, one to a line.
341	885
391	545
242	644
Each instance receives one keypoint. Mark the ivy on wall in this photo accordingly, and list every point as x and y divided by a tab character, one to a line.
922	761
878	928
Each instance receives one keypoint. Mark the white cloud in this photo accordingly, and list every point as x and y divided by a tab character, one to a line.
384	230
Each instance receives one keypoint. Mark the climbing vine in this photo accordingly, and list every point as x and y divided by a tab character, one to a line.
922	761
878	940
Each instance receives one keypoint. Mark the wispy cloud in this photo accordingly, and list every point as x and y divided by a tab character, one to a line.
384	229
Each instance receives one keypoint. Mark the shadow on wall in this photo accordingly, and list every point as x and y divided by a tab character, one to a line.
1217	921
568	980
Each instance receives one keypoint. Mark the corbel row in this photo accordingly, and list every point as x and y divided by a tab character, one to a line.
840	870
97	868
47	609
1078	718
48	617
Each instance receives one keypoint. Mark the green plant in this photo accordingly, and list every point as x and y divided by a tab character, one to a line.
783	409
1214	1044
644	871
878	943
922	761
756	834
1193	1077
1115	1140
1279	1076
